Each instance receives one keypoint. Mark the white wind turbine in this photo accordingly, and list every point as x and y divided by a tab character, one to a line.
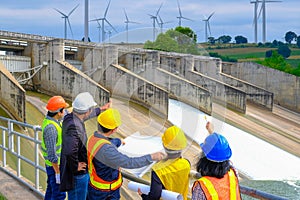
161	23
207	26
180	15
103	19
127	21
154	18
256	17
67	21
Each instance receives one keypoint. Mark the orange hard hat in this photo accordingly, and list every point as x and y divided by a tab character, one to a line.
56	103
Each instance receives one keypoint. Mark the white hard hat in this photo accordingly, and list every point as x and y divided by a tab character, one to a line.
83	102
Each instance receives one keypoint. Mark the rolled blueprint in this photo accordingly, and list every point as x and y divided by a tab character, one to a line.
165	194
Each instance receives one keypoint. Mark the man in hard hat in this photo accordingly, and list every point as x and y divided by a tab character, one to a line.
74	176
173	172
51	145
104	159
219	179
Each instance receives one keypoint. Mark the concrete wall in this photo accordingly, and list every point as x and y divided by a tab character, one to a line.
184	90
222	93
286	87
12	95
255	94
16	63
95	59
124	83
61	78
157	67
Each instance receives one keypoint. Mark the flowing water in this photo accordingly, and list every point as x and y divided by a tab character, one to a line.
269	168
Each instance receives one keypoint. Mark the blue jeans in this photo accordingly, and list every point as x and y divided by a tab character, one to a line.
94	194
52	191
80	187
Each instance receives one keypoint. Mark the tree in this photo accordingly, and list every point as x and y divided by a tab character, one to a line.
174	41
224	39
269	53
298	41
290	36
187	31
211	40
240	40
284	50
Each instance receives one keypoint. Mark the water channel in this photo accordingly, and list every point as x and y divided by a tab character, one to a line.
269	168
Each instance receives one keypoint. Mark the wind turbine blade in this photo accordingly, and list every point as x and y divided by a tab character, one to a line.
70	26
159	9
107	9
187	18
210	15
92	20
72	10
208	28
60	12
180	15
127	20
261	8
111	25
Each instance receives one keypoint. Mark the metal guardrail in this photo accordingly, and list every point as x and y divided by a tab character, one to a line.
12	146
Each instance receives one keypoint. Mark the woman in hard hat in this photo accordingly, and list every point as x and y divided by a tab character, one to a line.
173	172
104	159
73	167
51	145
219	179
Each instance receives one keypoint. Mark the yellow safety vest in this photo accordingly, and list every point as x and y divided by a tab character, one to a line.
94	144
46	122
174	175
226	188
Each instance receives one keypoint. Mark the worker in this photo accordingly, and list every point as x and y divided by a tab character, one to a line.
171	173
51	145
74	175
219	178
104	159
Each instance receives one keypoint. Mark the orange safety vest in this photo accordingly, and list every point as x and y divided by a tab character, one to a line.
226	188
94	144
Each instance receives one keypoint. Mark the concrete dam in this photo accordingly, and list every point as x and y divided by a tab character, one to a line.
150	78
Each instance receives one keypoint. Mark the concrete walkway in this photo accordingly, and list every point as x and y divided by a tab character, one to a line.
14	190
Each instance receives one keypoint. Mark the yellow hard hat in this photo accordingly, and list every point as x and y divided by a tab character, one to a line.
110	118
174	138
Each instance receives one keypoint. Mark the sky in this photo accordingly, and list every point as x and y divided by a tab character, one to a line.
231	17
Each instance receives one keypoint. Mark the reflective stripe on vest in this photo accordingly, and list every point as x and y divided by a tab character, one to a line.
46	122
211	190
94	145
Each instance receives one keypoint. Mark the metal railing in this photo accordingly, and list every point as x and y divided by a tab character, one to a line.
12	147
30	153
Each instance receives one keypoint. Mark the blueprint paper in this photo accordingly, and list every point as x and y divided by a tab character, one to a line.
138	145
165	194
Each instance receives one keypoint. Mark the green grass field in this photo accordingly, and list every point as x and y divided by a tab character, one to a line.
254	53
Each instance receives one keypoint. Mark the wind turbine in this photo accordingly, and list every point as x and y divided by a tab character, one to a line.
103	19
67	21
207	26
154	18
161	23
180	15
263	11
127	22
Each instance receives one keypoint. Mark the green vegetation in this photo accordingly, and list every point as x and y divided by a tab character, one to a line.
2	197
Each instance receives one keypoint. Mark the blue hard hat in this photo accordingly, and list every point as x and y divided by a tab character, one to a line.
216	148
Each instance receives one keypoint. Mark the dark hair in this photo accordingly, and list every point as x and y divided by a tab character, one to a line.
102	129
213	169
52	114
